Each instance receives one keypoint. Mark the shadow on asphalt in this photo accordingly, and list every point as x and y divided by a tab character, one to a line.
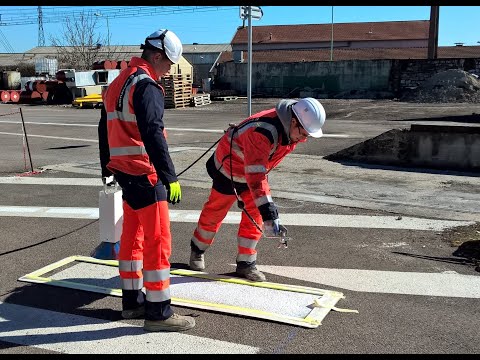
465	261
375	166
48	240
474	119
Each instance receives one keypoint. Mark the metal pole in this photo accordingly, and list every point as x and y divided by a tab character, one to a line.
108	35
26	140
249	76
331	42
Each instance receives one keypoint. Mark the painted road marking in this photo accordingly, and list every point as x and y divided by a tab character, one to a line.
74	334
233	217
391	282
216	131
50	137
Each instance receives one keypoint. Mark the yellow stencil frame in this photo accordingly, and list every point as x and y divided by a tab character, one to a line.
321	306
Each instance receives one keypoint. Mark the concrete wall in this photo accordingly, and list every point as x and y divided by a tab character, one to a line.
384	78
288	79
426	146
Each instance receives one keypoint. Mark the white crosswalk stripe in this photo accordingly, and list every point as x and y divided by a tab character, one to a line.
74	334
233	217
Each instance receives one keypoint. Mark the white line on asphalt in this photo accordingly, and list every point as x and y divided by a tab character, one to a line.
47	123
74	334
50	137
191	216
217	131
391	282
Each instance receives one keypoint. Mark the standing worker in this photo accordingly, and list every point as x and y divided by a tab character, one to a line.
133	147
239	168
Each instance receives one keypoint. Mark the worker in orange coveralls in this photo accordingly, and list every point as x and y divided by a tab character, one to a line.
239	168
133	147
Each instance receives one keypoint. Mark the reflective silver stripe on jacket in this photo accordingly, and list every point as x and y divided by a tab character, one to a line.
240	179
263	200
158	295
253	169
130	265
156	275
125	114
201	245
127	150
246	257
237	151
132	284
247	243
261	124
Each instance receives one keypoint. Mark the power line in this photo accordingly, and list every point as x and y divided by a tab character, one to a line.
54	15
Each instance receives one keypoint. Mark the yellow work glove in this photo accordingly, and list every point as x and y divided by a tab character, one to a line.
174	192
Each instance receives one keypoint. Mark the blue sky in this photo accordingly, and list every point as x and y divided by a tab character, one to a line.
457	23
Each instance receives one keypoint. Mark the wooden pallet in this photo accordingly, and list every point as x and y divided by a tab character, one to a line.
176	103
225	98
200	100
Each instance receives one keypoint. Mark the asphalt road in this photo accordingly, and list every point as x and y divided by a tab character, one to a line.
381	236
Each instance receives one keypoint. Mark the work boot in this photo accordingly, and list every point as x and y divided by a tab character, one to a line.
134	313
175	322
250	273
197	261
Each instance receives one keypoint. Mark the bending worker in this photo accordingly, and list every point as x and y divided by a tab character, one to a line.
136	152
239	168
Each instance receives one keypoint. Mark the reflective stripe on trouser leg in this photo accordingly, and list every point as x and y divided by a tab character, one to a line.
213	212
155	221
248	234
131	251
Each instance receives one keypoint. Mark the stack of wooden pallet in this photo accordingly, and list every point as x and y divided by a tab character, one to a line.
178	90
200	100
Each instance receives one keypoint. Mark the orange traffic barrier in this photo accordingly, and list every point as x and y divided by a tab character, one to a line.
14	96
5	96
122	65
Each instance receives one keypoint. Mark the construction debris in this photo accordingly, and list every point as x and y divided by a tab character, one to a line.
453	85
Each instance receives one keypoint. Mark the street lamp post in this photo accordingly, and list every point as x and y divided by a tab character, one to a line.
331	41
108	28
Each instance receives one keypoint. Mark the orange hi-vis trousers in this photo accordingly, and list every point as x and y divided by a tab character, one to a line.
214	211
145	248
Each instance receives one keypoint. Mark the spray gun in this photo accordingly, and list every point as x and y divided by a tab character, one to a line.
282	237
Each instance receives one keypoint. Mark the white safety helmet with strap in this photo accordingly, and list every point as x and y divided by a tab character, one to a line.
167	41
311	115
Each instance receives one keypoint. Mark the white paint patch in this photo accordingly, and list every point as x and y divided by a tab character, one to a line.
73	334
391	282
191	216
393	245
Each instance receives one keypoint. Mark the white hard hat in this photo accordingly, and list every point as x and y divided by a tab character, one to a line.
311	115
167	41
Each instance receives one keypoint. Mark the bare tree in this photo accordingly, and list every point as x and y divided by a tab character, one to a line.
78	45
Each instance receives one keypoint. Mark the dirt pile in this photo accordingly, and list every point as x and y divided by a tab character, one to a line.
453	85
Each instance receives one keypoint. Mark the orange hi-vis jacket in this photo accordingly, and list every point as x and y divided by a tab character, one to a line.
259	145
127	150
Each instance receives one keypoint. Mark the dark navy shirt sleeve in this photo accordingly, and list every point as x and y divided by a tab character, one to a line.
103	144
148	104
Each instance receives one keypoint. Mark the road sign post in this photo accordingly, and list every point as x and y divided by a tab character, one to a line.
249	13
